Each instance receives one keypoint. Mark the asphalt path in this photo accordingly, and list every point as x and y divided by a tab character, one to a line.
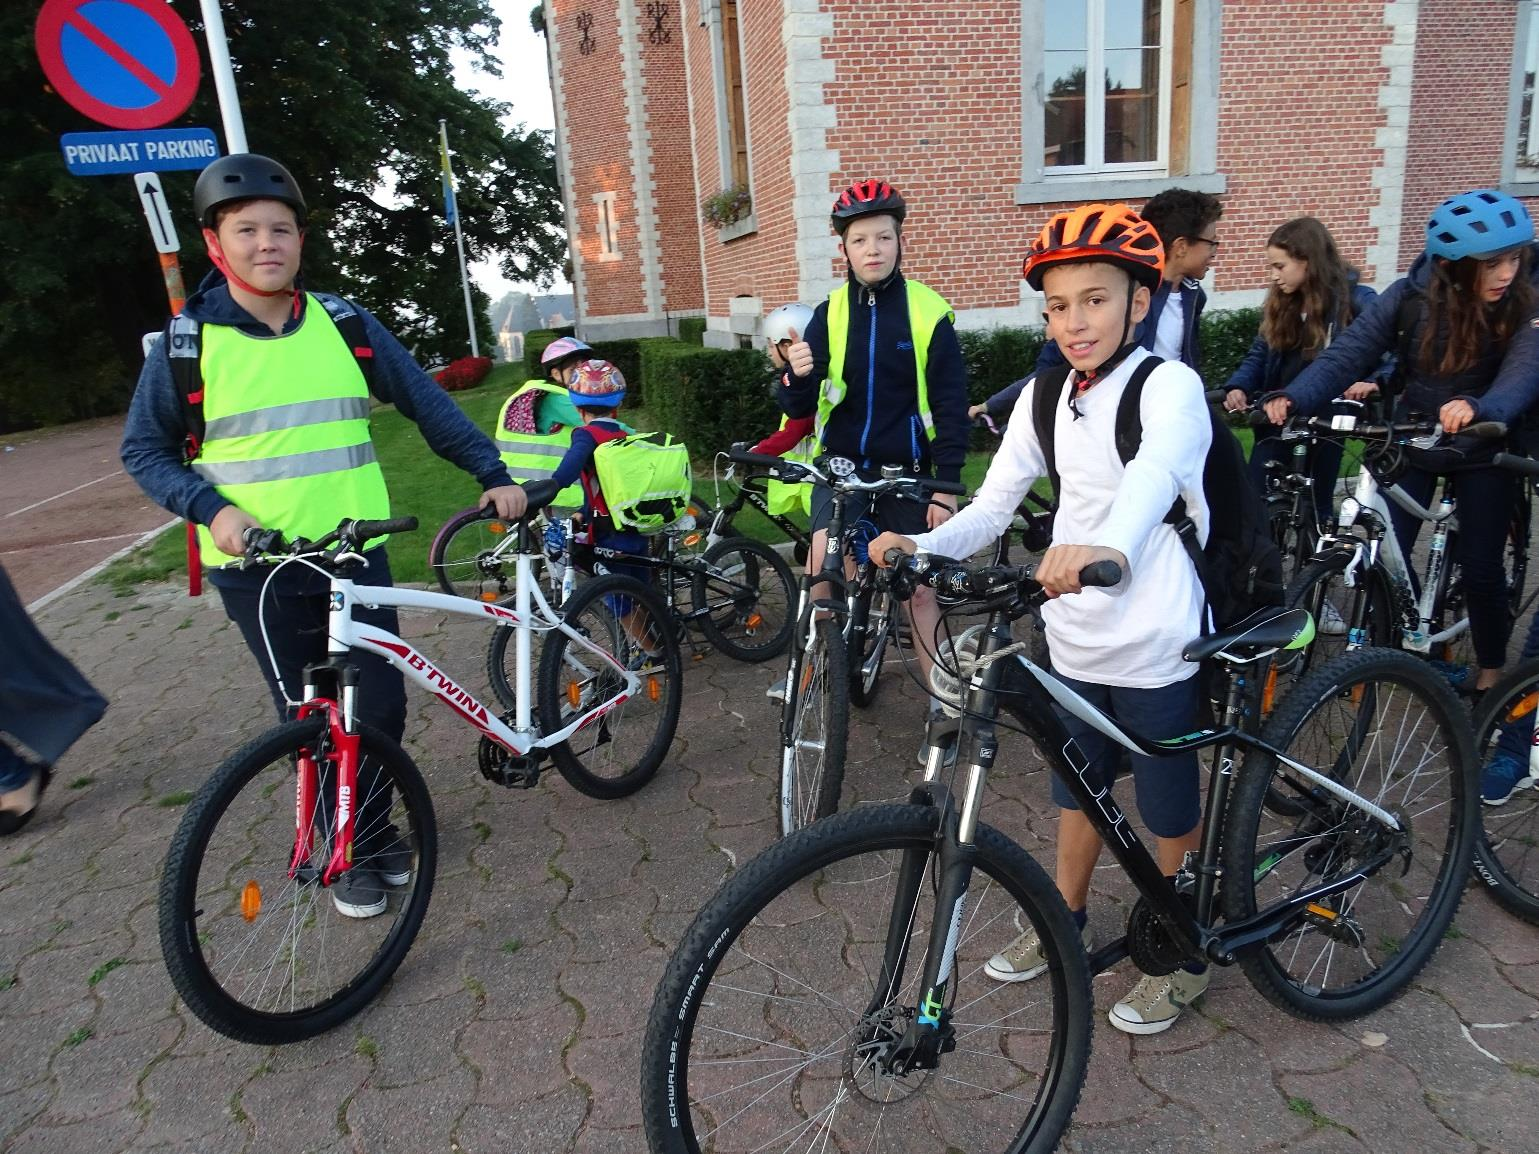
67	507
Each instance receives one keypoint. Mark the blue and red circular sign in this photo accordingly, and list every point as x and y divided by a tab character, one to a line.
124	63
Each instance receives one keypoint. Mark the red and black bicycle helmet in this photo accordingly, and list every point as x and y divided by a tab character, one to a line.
867	198
1112	233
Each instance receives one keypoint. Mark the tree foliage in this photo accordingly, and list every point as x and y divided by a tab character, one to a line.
349	96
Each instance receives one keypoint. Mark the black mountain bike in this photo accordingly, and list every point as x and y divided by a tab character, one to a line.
831	995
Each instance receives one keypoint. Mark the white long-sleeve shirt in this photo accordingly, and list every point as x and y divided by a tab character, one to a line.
1131	635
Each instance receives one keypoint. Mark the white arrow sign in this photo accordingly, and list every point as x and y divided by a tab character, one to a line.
156	212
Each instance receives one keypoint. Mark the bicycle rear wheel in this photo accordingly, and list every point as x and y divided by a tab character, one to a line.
1507	845
1384	725
619	751
870	630
771	1024
812	763
472	556
745	598
265	957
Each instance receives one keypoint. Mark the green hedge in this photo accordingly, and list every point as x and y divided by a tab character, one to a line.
708	398
692	330
535	342
1226	337
625	355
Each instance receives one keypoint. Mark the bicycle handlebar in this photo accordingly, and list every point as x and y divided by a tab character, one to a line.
957	579
349	536
1517	463
819	471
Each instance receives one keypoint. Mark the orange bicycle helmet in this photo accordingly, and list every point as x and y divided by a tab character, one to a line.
1112	233
867	198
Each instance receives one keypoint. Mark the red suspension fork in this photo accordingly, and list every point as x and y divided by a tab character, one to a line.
342	754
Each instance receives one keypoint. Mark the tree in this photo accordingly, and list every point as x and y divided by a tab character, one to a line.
349	97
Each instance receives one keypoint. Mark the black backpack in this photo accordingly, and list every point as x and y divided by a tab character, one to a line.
1240	567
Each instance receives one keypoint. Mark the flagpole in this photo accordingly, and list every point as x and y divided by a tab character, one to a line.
459	237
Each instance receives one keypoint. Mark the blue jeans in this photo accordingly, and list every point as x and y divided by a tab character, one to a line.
1167	788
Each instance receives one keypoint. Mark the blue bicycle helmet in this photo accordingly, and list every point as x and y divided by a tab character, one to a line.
1479	224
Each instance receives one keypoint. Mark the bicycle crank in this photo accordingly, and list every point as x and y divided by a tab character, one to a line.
506	768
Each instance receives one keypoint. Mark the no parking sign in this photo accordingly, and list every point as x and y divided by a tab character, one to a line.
124	63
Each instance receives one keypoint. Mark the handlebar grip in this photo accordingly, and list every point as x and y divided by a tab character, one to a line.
539	493
362	531
956	488
1486	430
1101	574
1256	418
749	458
895	556
1214	396
1518	464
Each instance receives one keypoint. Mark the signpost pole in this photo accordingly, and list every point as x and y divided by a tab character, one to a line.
224	77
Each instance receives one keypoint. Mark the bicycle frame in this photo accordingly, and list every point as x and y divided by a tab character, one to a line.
752	495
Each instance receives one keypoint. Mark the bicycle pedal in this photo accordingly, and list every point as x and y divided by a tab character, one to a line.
507	769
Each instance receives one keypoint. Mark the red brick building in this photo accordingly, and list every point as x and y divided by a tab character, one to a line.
1364	113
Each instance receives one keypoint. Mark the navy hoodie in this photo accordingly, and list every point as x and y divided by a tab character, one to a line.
878	423
1265	369
154	432
1501	386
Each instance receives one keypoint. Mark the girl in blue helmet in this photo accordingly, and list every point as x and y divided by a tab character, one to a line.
1462	325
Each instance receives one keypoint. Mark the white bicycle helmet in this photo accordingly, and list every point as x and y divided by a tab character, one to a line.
780	322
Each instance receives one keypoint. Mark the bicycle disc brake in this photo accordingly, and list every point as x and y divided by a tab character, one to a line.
506	768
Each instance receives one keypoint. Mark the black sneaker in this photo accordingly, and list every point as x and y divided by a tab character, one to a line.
392	860
359	893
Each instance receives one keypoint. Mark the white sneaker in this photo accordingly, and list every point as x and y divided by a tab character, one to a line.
1023	959
1331	621
1153	1005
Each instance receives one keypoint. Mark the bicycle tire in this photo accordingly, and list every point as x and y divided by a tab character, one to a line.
633	626
1336	717
866	665
755	935
745	600
1506	859
812	763
463	557
237	833
1321	583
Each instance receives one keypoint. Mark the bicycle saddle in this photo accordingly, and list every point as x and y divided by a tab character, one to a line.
1262	632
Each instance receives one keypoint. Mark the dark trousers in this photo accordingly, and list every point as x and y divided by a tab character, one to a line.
1485	498
295	611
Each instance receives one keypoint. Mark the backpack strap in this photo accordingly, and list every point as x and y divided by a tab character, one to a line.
184	348
1046	395
350	324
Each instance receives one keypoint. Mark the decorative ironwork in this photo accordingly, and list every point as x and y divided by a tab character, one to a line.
657	13
584	25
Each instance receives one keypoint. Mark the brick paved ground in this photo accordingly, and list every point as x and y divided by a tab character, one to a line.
477	1047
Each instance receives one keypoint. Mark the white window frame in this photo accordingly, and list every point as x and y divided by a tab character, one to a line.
1041	184
1519	178
606	225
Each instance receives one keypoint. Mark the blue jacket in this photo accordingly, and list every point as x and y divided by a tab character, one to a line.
154	432
1193	298
878	421
1500	387
1265	369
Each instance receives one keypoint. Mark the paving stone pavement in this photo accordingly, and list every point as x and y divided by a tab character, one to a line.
483	1045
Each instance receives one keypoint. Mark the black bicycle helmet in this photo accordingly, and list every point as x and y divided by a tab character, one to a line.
867	198
244	176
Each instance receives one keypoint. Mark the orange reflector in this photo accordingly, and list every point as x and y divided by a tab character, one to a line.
1523	707
1321	912
755	621
573	694
1356	696
496	527
1269	691
654	691
250	901
487	595
692	539
806	677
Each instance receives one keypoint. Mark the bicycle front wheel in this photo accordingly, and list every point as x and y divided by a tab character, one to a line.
472	556
744	599
812	761
1507	845
1322	589
261	952
628	628
870	630
774	1027
1385	726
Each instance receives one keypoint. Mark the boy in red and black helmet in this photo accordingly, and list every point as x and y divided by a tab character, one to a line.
881	371
1119	648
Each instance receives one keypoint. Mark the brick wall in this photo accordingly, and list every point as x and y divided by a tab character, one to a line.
673	174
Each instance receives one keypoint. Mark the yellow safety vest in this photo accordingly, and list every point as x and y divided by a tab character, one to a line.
286	429
534	456
926	309
784	498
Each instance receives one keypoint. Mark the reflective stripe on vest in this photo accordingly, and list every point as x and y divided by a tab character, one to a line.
286	434
926	309
534	456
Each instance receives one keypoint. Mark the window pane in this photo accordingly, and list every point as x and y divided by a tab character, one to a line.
1063	135
1528	131
1132	23
1132	105
1065	25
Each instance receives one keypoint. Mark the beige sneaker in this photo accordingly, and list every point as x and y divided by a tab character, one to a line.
1022	959
1156	1002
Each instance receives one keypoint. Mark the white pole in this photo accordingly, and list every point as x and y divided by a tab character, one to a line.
459	240
224	77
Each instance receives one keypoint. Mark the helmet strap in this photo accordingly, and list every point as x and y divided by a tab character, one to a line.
216	254
1094	376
